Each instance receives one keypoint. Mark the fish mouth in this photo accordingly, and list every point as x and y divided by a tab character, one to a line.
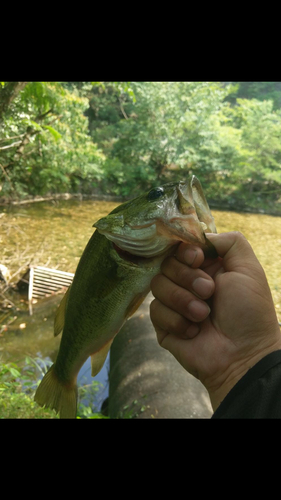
190	222
192	218
142	241
149	241
185	217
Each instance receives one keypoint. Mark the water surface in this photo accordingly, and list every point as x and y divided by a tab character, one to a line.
54	234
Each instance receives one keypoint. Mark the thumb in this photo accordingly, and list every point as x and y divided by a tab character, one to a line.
235	250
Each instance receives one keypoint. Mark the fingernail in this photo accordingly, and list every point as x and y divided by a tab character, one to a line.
189	256
199	310
202	287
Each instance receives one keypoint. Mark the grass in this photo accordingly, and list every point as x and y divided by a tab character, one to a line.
18	386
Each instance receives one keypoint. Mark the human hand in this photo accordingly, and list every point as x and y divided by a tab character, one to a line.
217	316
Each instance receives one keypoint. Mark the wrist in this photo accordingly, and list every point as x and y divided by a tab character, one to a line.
235	372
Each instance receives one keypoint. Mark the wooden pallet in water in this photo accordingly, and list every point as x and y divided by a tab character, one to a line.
44	281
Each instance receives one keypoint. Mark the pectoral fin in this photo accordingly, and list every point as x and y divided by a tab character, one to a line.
60	314
134	305
99	357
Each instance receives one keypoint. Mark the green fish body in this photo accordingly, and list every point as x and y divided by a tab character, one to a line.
113	278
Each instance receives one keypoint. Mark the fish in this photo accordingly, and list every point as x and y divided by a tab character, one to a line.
113	278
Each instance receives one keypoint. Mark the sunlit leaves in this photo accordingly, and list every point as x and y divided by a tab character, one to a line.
54	132
55	153
175	128
123	137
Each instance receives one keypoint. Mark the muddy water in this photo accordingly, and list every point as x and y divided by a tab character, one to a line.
54	234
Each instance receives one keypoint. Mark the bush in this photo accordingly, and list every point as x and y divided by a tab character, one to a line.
18	386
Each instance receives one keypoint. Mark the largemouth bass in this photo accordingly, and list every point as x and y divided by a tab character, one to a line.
113	278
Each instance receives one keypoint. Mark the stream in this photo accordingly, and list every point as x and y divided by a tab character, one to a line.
54	234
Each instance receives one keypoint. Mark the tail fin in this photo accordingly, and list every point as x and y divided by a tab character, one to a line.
55	395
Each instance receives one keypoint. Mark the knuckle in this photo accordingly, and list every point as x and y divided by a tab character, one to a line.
183	275
239	236
177	271
178	324
240	241
177	297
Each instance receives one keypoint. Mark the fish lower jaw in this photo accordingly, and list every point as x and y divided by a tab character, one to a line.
144	257
186	229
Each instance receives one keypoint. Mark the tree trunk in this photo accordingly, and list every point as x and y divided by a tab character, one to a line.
8	94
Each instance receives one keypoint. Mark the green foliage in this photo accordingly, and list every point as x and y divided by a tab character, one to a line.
257	90
171	126
177	128
14	401
123	137
44	143
18	386
87	400
259	172
132	410
54	132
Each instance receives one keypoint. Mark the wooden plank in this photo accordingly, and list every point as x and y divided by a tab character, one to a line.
50	282
30	287
54	271
44	281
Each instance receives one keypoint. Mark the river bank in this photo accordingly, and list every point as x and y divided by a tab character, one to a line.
61	196
232	205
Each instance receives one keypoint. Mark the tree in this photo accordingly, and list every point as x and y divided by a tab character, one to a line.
9	91
177	128
257	90
260	129
44	141
124	137
172	129
44	145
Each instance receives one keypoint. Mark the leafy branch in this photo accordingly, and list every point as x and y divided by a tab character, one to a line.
9	92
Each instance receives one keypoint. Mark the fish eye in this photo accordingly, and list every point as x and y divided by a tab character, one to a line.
155	193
